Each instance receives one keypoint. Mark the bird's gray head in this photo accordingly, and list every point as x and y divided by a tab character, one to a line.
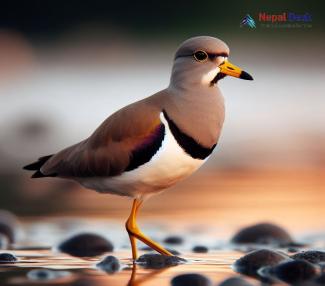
203	61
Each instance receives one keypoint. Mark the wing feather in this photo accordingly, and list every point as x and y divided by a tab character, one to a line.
111	148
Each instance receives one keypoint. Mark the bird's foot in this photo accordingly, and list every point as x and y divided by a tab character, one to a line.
135	233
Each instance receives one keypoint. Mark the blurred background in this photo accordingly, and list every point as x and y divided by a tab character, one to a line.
67	65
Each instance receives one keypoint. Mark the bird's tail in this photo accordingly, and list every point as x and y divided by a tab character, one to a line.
36	166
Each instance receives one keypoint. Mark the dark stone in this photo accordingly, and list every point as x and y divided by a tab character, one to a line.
263	233
253	261
40	274
46	274
312	256
295	244
157	261
295	271
174	240
109	264
86	245
7	258
172	251
292	249
8	225
235	281
191	279
200	249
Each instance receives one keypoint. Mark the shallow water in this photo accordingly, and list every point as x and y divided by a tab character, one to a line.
204	210
216	264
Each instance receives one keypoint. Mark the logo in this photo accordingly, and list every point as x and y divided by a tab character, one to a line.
279	20
284	17
248	21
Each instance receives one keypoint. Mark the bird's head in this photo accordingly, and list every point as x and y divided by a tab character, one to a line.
203	60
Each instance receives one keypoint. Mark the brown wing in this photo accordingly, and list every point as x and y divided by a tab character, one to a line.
122	142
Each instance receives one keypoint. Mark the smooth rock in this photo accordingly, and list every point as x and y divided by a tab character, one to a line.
296	271
263	233
157	261
46	274
312	256
200	249
292	249
253	261
109	264
173	240
172	251
191	279
7	258
86	245
235	281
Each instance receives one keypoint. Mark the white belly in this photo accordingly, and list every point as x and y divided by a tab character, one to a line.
168	166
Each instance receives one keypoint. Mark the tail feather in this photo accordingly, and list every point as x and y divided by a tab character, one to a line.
36	166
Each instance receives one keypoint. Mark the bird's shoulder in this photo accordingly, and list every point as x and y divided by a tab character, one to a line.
132	121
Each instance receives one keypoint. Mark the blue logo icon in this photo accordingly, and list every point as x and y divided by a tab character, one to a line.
248	21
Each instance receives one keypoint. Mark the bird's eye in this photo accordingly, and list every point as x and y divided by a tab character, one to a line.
200	56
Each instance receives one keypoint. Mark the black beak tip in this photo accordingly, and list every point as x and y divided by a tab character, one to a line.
245	75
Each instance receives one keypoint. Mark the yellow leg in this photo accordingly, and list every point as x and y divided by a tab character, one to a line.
133	246
135	233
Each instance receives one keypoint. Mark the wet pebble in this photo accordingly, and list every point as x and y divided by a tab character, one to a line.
312	256
295	271
292	249
46	274
200	249
191	279
235	281
7	258
172	251
109	264
173	239
263	233
157	261
86	245
253	261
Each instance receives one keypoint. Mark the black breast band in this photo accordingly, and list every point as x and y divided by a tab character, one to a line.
188	144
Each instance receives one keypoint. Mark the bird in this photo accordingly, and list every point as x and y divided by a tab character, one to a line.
152	144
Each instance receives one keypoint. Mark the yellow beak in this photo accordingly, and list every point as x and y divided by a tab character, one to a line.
229	69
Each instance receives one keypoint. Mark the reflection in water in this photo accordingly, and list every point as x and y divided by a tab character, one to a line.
146	277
